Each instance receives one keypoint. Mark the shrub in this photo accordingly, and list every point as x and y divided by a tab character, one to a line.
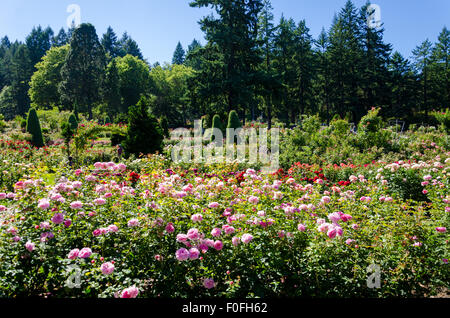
217	123
144	134
233	120
73	122
34	128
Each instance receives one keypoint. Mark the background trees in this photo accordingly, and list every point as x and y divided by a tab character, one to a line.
262	69
83	70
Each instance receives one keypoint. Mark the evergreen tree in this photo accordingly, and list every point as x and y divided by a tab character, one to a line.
129	46
144	134
21	71
178	55
83	70
110	43
111	90
266	39
233	120
60	39
39	42
192	57
285	43
323	74
73	122
346	62
402	87
217	123
232	34
34	128
422	57
441	57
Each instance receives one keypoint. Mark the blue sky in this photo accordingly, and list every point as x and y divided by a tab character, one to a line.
157	25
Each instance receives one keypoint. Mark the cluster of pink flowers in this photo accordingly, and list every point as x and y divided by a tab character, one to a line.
110	166
85	252
105	230
196	242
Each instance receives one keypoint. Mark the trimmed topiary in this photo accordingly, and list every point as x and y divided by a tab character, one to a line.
217	123
144	134
73	122
34	128
233	120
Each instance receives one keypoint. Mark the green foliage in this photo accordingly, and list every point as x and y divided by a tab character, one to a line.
163	122
233	120
134	79
83	70
34	128
73	122
178	55
144	134
44	82
217	123
406	184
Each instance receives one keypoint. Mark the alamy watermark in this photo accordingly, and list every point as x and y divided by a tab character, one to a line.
74	19
374	16
241	145
374	279
74	280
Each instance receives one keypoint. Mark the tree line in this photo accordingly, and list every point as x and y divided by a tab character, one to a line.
262	69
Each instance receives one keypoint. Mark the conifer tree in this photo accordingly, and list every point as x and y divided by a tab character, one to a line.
34	128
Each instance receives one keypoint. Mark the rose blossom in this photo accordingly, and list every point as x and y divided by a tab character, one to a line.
216	232
208	283
182	254
76	205
30	246
107	268
73	253
196	217
85	252
218	245
193	254
130	292
246	238
58	218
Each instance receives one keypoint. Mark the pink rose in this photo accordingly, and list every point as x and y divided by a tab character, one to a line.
73	253
76	205
85	252
133	222
192	234
208	283
170	228
246	238
301	227
216	232
197	217
182	254
235	240
43	204
218	245
213	205
29	246
193	254
58	218
441	229
107	268
130	292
